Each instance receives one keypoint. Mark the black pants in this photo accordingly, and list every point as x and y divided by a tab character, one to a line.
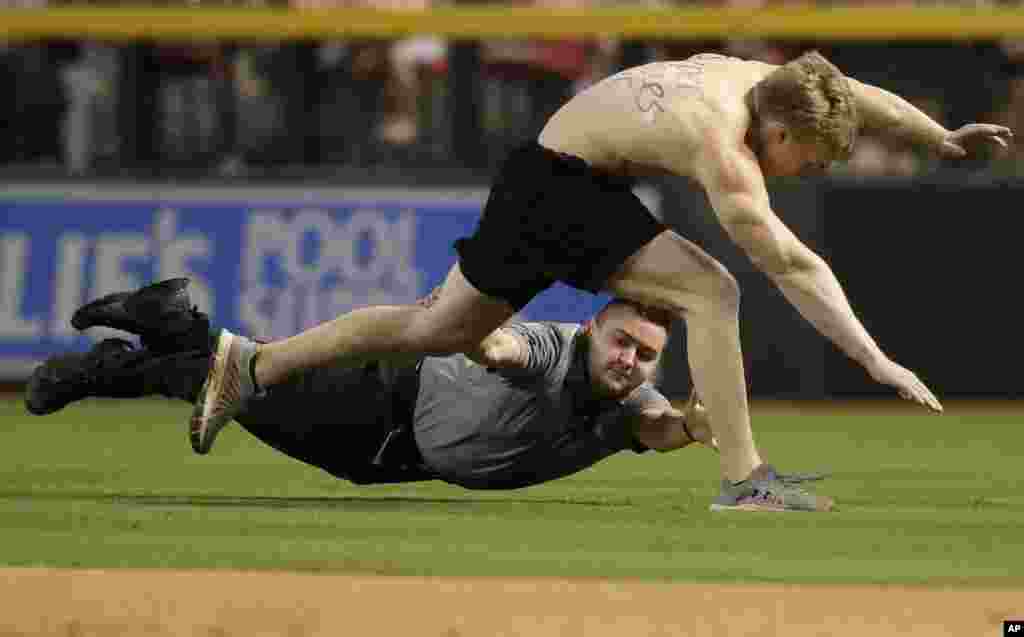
334	418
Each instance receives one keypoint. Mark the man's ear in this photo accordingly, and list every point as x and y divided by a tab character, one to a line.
588	327
780	133
775	131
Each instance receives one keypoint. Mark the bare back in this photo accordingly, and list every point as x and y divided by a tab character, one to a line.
648	117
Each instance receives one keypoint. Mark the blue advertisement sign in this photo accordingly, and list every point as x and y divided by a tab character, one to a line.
267	264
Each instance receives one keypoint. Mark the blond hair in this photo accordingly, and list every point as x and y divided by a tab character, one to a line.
811	97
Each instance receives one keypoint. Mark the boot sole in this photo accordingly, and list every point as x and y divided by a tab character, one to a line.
201	434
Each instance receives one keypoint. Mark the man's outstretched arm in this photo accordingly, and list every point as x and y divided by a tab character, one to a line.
735	187
888	115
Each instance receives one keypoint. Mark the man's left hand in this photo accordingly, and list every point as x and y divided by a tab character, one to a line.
976	140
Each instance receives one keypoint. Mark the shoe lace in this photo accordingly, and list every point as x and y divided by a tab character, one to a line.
767	495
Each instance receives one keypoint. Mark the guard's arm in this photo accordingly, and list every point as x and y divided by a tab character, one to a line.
661	429
654	422
501	349
658	425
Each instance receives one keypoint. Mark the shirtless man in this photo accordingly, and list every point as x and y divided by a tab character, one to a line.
561	209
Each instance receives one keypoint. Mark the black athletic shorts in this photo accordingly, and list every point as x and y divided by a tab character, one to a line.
551	217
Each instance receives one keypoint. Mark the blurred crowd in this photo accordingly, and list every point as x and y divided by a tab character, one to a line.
225	109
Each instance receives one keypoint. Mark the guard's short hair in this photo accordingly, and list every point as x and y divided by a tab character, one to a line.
812	98
656	315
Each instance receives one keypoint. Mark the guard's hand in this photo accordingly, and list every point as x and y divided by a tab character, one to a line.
692	420
976	140
696	418
907	384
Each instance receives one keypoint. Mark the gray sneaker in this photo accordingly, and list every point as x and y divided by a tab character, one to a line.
766	490
227	389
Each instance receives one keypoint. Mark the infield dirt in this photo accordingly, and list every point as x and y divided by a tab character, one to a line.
126	603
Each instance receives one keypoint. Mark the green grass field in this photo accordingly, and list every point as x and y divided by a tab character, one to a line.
935	500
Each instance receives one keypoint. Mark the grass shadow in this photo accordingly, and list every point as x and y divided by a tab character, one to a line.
375	503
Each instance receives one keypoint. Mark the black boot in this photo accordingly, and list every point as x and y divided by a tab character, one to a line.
69	377
113	368
161	314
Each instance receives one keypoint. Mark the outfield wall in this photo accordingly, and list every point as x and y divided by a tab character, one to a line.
268	262
930	266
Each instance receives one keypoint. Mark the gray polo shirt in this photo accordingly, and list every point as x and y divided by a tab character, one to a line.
490	429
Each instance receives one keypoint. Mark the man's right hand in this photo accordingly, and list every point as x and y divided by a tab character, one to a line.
973	140
905	381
